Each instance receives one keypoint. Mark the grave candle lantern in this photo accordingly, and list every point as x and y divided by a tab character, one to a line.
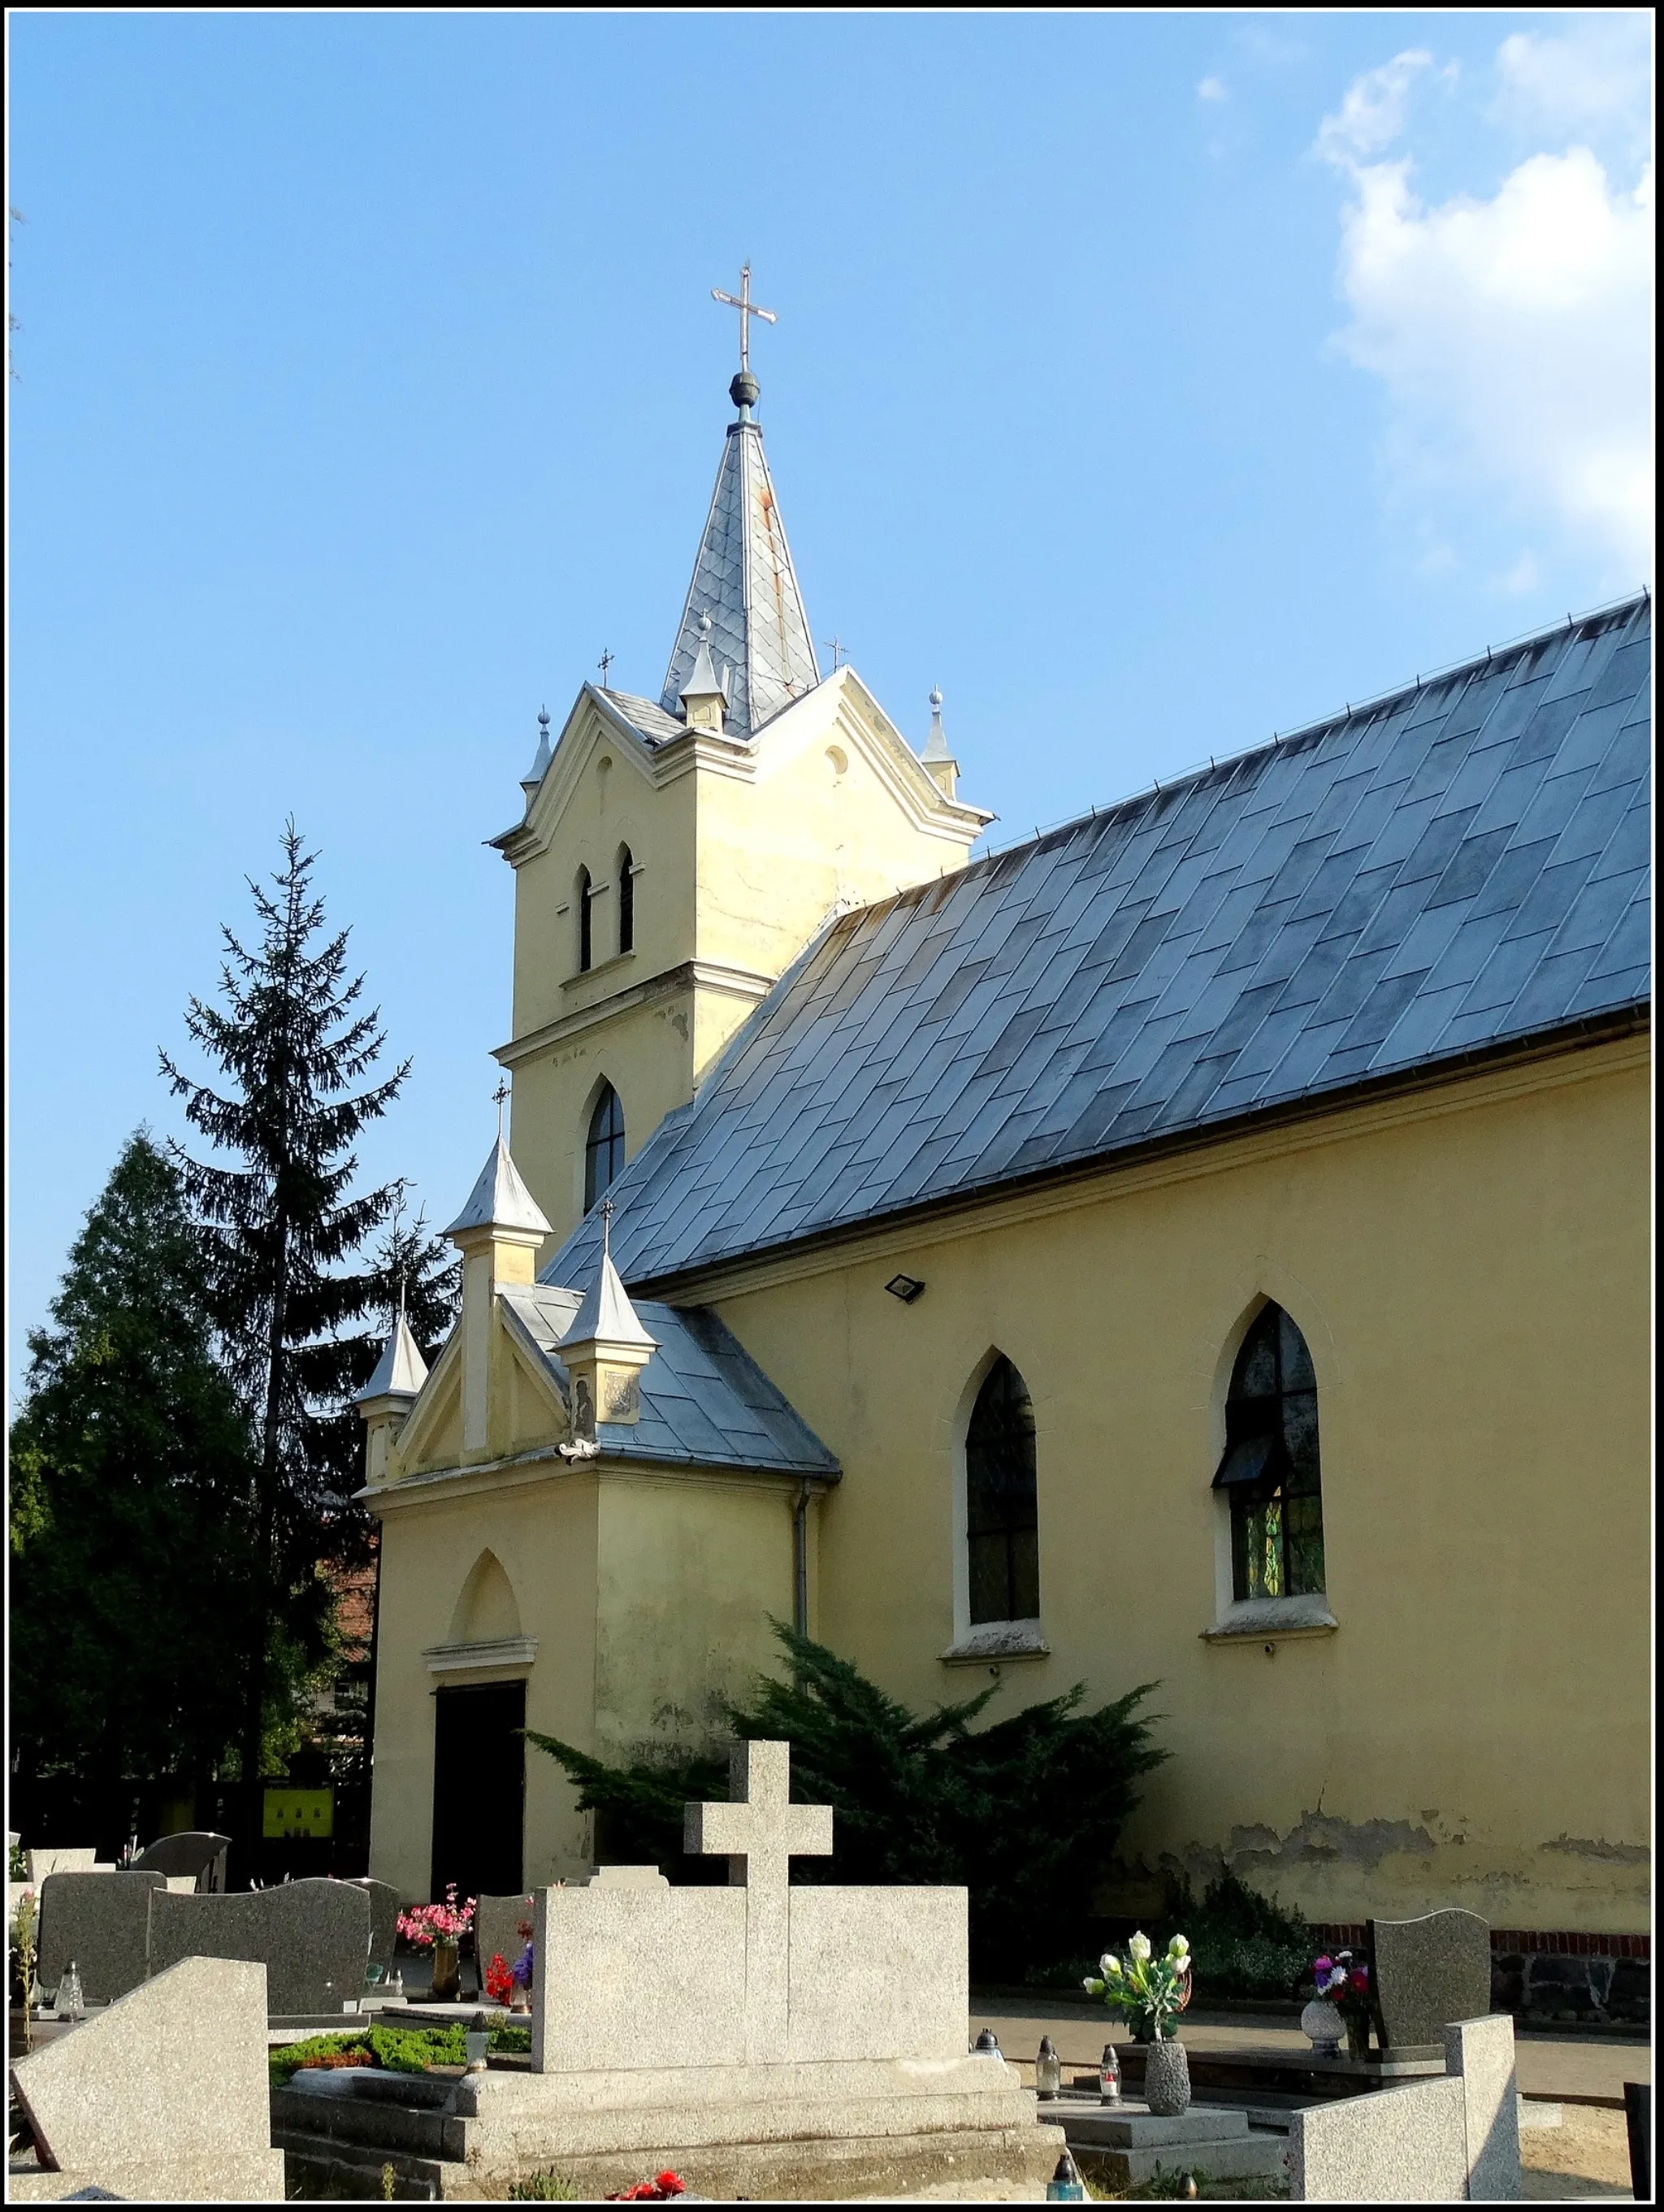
1048	2073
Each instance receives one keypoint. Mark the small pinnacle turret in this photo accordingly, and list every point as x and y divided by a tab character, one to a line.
940	764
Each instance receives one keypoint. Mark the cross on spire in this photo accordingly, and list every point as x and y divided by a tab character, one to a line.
746	310
498	1097
604	664
835	647
759	1831
607	1211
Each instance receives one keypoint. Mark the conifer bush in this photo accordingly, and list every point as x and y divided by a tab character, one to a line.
1025	1812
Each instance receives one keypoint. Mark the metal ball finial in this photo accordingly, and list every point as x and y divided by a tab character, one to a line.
744	390
936	698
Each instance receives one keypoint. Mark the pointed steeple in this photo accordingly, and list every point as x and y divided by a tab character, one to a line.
744	579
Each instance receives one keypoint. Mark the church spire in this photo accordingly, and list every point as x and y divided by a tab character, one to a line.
758	636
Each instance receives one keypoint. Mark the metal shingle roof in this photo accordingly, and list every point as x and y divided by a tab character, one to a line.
1458	865
744	581
703	1402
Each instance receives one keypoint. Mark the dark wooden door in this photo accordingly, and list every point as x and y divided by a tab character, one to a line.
479	1790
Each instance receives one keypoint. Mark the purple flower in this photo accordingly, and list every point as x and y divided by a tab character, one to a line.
521	1972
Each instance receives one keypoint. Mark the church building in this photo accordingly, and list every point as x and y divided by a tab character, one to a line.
1207	1243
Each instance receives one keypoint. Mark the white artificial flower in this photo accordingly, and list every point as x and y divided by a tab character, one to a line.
1140	1950
1109	1964
1178	1949
1094	1989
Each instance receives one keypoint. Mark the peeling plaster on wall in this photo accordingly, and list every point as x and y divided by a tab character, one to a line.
1321	1837
1583	1847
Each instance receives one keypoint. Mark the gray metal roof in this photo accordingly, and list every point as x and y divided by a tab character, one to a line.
704	1402
1459	866
645	716
744	579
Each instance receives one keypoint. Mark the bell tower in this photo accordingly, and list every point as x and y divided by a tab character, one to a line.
676	854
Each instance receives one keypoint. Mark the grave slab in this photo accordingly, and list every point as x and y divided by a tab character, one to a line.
1402	2146
166	2089
1125	2146
313	1937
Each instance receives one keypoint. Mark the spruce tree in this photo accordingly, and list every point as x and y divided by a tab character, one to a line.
132	1525
285	1233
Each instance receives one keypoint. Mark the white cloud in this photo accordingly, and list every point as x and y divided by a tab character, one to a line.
1211	87
1595	79
1373	112
1513	334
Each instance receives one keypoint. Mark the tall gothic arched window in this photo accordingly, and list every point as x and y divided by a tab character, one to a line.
586	902
1002	1519
625	873
1270	1470
604	1147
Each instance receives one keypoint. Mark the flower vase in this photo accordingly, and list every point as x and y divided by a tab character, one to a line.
447	1973
1322	2023
1167	2079
1357	2036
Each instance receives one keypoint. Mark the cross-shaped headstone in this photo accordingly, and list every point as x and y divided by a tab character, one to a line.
759	1831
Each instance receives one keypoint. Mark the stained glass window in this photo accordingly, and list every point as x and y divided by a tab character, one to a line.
1002	1516
604	1148
1270	1468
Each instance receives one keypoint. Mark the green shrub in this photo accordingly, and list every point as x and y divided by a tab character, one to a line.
1245	1944
398	2049
550	2188
1023	1812
288	2058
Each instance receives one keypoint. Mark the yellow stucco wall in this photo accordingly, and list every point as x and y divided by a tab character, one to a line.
543	1534
740	854
1470	1268
648	1592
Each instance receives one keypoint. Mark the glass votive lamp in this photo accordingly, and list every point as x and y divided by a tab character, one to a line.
1048	2073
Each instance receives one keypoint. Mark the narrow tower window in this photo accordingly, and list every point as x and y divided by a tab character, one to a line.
625	873
585	934
604	1148
1002	1516
1270	1467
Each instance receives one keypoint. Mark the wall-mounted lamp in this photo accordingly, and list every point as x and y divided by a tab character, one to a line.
905	1288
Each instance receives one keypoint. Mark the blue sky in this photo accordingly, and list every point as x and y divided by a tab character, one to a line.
1150	382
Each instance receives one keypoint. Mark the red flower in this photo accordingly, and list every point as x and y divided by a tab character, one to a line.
499	1982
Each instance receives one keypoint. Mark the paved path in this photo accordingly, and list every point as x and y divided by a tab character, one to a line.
1549	2066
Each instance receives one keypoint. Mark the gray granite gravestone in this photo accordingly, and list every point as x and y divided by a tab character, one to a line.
100	1921
197	1853
496	1929
384	1918
163	2097
313	1938
1428	1972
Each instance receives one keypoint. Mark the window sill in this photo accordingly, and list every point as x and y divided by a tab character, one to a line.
998	1639
599	968
1257	1620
